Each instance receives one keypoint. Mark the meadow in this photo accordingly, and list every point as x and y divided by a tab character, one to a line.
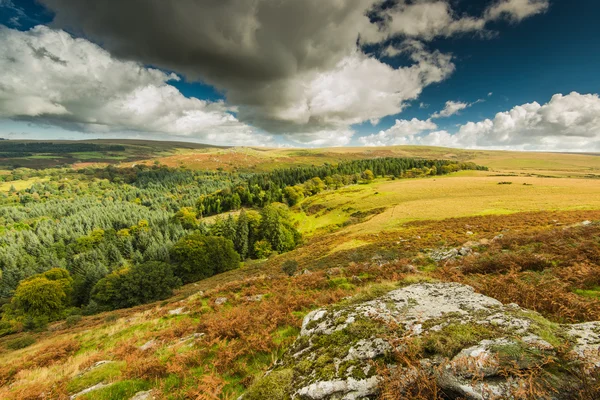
537	241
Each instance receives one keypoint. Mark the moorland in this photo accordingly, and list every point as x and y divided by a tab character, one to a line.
187	270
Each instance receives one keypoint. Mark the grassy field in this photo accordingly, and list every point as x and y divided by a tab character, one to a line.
20	184
392	203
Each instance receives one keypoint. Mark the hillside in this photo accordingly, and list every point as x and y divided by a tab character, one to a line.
525	231
249	159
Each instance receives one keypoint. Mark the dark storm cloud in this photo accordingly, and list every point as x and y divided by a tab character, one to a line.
247	41
292	66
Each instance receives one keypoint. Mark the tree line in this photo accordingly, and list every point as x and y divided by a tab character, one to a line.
291	184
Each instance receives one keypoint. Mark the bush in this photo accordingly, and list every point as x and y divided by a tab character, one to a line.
290	267
31	323
72	320
20	342
140	284
198	257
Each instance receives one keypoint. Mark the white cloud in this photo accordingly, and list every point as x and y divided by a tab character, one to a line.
454	107
451	108
566	123
516	10
403	132
50	77
428	19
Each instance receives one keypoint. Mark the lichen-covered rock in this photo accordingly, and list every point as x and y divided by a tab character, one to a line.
587	341
467	343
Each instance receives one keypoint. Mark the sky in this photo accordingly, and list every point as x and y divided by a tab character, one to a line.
488	74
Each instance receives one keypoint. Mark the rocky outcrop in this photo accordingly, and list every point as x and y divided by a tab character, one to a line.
472	346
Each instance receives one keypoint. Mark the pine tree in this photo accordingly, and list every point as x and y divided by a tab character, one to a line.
241	235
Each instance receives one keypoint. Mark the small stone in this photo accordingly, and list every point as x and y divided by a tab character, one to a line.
464	251
96	365
177	311
220	301
146	395
469	233
254	298
98	386
586	223
148	345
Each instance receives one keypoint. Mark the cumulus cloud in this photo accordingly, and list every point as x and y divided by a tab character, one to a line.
566	123
50	77
403	132
359	88
293	67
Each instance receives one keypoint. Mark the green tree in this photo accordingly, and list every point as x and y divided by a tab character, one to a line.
198	257
42	296
241	235
367	175
262	249
276	228
139	284
186	216
293	194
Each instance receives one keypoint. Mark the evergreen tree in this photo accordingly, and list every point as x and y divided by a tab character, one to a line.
241	235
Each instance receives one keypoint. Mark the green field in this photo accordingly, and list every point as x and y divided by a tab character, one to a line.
458	195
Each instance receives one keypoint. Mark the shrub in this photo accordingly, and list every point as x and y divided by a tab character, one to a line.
290	267
20	342
72	320
198	257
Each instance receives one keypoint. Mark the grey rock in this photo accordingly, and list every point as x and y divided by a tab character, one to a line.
254	298
350	389
98	386
146	395
148	345
587	341
178	311
334	354
220	301
96	365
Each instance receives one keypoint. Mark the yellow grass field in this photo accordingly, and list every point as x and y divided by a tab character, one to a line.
20	185
458	195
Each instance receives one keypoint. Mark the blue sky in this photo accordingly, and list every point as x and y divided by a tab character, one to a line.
522	51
